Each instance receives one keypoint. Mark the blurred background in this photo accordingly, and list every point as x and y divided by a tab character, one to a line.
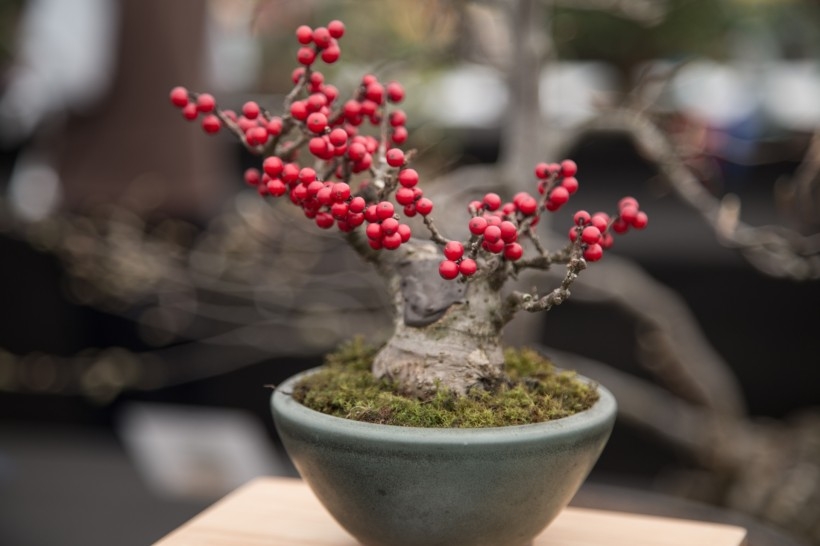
148	299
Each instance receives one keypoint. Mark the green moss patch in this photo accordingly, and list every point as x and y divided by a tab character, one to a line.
533	391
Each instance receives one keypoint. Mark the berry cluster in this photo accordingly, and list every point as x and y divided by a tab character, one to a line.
595	230
332	131
495	227
358	143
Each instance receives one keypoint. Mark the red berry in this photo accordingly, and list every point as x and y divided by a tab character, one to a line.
356	151
290	173
211	124
276	187
331	92
331	54
492	201
357	204
607	240
250	110
424	206
307	175
492	234
527	205
392	242
496	247
551	206
375	92
509	232
323	196
405	196
274	126
318	147
591	235
336	28
559	195
179	96
620	226
641	220
581	218
304	34
593	253
306	55
321	37
395	92
467	267
453	250
338	137
568	168
542	171
477	225
352	108
373	231
205	103
395	157
397	118
405	232
368	107
341	191
513	251
448	269
600	220
628	201
273	166
316	102
390	226
252	176
313	188
399	135
573	234
570	183
317	122
324	220
629	213
375	244
245	124
299	110
408	178
363	164
256	135
385	210
190	112
354	219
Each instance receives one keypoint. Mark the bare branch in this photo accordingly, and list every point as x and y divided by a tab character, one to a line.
775	250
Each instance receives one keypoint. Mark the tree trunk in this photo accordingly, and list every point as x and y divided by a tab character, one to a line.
457	351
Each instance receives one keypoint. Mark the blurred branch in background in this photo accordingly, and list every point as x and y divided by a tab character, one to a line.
140	234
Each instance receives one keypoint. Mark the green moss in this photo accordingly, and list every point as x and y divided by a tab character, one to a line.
533	391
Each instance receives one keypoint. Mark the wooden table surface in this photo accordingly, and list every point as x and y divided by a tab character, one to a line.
284	512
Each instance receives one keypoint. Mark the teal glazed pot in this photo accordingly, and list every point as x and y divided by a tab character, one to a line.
405	486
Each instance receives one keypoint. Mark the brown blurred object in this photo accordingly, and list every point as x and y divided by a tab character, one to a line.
133	149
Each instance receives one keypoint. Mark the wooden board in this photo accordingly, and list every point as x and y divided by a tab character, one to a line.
284	512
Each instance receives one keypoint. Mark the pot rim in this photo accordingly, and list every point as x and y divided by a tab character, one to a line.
600	415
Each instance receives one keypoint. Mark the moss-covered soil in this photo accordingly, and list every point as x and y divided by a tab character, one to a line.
533	391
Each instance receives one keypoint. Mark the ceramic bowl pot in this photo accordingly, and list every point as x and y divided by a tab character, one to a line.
405	486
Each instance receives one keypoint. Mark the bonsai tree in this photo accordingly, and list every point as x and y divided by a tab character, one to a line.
343	163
